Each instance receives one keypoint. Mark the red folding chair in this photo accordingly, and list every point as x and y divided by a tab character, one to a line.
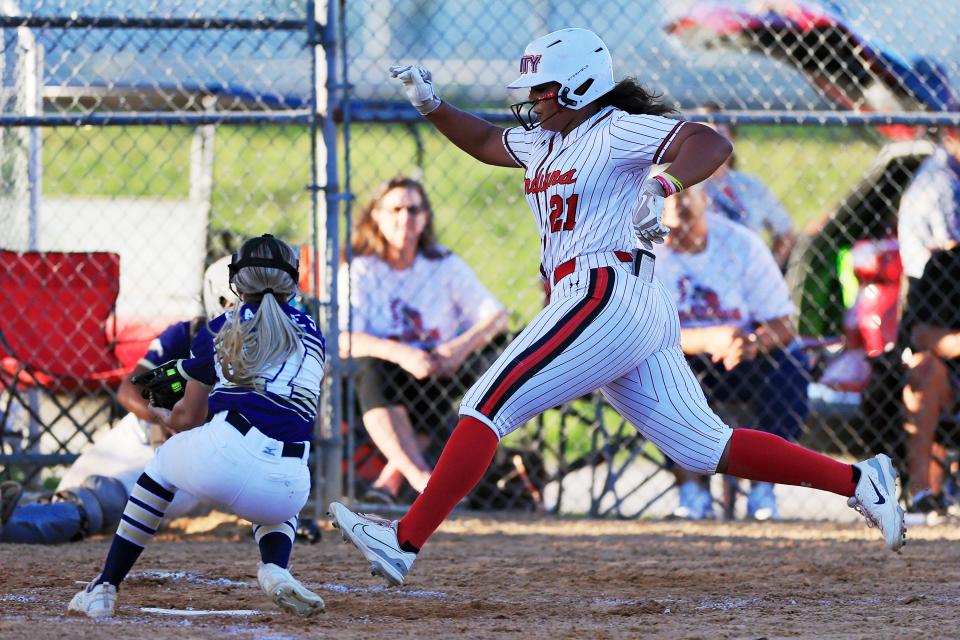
54	337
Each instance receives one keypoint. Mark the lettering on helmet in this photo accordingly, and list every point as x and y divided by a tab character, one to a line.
544	181
529	64
577	72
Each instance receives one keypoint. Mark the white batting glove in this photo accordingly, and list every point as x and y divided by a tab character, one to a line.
418	85
648	215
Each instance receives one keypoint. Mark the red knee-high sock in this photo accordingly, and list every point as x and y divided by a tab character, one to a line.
756	455
464	460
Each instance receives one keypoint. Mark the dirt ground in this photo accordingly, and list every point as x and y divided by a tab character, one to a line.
514	576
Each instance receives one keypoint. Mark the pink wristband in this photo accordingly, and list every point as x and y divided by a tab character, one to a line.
668	188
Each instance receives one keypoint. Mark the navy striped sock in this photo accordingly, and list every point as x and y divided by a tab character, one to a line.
138	524
276	541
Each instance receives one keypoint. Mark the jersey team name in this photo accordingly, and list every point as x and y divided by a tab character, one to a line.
544	181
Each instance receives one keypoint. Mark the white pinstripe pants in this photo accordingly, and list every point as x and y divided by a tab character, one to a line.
605	329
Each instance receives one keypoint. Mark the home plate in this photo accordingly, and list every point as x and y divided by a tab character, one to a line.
201	612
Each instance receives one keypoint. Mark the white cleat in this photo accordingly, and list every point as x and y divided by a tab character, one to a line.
95	601
287	592
875	499
376	539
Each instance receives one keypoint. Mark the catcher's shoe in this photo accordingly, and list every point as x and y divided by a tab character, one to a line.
287	592
875	499
376	539
95	601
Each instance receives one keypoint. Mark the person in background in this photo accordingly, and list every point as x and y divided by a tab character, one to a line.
928	225
933	383
735	329
929	215
418	319
744	198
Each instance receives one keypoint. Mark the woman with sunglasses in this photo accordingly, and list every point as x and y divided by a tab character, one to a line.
416	320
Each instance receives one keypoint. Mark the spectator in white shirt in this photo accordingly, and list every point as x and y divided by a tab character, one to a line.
746	199
418	316
735	319
929	214
928	230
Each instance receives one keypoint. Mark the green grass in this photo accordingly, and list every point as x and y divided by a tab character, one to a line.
260	173
141	161
809	169
573	432
261	181
18	474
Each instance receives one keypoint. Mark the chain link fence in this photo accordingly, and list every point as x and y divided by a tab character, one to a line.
833	107
140	142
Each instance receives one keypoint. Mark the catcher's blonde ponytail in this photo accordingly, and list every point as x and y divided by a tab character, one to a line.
248	346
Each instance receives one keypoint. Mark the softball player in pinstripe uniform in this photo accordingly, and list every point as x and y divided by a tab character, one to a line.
244	425
586	146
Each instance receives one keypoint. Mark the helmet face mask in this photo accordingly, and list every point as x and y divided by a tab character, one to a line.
576	59
244	258
523	111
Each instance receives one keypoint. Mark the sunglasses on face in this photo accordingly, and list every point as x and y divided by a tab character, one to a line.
411	208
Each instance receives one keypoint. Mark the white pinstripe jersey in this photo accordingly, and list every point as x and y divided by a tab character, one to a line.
582	187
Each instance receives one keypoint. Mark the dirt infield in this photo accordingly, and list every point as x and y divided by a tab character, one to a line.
521	576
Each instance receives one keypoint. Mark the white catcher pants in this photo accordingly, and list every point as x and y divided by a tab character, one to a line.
605	329
218	464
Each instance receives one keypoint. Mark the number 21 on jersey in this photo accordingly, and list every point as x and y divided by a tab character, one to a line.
563	213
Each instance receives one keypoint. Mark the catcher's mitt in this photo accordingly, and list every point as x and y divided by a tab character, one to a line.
162	386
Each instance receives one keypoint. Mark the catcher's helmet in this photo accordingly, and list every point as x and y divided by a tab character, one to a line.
217	296
576	58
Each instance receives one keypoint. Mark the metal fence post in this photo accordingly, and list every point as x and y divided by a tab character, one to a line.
329	476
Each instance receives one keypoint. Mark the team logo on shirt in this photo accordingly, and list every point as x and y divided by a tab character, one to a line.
544	181
697	303
409	321
529	64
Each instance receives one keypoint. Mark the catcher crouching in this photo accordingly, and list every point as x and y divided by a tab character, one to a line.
243	428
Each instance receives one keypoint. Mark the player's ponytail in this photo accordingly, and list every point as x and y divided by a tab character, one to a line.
630	96
247	346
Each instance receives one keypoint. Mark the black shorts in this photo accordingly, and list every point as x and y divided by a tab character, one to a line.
431	403
379	384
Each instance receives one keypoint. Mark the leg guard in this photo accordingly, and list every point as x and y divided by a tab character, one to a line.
43	523
112	496
90	510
